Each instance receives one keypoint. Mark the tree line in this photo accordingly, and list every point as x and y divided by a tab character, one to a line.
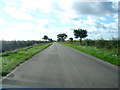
45	37
78	33
82	33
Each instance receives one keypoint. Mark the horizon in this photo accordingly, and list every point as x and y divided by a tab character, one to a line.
32	19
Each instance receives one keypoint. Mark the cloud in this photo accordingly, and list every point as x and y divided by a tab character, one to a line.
32	31
2	22
100	25
94	8
103	18
24	9
32	19
23	31
57	7
20	13
42	5
95	27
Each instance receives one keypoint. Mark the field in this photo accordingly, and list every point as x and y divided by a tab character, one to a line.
110	55
11	59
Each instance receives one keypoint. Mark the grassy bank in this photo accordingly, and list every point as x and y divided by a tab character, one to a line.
11	59
106	55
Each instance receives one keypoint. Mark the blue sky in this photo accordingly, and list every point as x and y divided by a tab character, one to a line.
32	19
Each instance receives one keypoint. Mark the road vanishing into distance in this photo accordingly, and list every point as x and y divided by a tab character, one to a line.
60	66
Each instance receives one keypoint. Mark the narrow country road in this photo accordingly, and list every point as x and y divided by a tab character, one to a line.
60	66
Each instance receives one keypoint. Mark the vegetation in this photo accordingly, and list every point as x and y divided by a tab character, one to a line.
11	59
50	39
45	37
80	33
101	43
105	50
61	37
12	45
71	39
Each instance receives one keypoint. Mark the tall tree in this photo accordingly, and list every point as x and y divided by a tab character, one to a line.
80	33
45	37
61	37
71	39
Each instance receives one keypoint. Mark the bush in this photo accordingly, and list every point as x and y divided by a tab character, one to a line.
101	43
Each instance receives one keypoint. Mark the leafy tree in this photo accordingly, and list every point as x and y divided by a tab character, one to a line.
45	37
61	37
50	39
71	39
80	33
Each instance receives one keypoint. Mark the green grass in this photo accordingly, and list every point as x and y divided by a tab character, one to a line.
106	55
11	59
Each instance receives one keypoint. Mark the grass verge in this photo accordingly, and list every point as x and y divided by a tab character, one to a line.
106	55
12	59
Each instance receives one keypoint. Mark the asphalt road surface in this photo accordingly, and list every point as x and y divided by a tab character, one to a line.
60	66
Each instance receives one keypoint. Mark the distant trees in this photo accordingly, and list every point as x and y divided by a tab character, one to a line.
45	37
61	37
71	39
80	33
50	39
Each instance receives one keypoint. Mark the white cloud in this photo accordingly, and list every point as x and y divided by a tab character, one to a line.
25	8
88	24
16	30
20	13
65	18
2	22
43	5
96	28
12	4
112	26
103	18
42	21
94	8
29	31
63	9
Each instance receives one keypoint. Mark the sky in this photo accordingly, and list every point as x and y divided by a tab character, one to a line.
32	19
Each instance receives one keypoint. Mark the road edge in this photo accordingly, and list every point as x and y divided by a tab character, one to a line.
97	59
4	77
